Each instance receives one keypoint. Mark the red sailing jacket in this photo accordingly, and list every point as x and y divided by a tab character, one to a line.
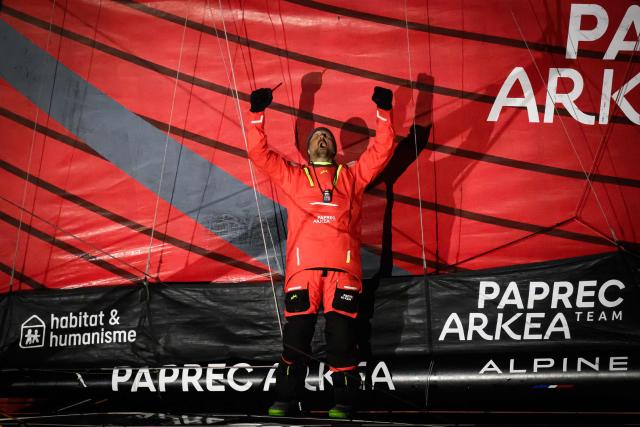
322	234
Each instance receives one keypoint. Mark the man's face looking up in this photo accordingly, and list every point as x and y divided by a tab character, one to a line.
322	146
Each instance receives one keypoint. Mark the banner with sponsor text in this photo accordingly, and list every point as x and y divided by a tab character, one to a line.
569	305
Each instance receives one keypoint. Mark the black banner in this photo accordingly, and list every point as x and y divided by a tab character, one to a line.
138	325
570	317
590	302
183	323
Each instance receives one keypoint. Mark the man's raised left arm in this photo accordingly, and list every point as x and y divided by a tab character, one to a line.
378	153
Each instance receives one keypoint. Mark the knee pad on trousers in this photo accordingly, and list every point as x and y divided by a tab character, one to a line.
297	336
340	333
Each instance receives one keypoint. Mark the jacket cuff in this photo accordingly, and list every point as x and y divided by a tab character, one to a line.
383	115
256	119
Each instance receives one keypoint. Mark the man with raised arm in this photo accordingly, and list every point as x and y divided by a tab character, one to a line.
323	248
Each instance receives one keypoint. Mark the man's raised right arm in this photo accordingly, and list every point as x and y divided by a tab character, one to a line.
267	160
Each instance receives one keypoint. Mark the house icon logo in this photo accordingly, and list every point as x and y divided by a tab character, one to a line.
32	332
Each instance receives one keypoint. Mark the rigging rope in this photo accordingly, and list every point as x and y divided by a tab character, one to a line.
415	141
166	146
605	135
70	234
609	129
290	99
251	170
566	132
272	240
33	139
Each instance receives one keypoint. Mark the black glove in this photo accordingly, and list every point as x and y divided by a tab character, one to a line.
382	97
260	99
